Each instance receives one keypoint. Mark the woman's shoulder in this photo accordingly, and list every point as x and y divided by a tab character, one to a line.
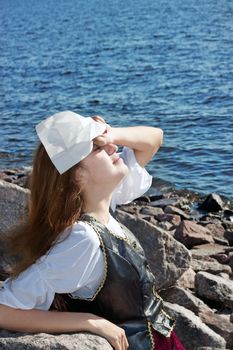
72	242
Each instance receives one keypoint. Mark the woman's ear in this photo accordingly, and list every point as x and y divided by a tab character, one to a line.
80	176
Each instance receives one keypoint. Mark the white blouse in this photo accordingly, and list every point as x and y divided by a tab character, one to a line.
74	265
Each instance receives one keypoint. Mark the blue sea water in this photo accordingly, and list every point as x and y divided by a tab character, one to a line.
165	63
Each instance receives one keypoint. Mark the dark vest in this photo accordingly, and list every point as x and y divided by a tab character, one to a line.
127	295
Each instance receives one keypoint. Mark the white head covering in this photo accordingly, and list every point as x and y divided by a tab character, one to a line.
67	138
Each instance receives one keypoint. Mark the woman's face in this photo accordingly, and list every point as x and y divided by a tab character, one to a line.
102	166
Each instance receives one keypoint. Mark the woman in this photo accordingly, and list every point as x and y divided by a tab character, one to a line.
71	254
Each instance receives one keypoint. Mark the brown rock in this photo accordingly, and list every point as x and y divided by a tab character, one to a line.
216	230
191	234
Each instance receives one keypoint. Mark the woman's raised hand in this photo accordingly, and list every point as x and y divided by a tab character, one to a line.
106	137
115	335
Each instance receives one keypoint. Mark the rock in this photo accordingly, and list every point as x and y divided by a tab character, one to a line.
216	230
207	250
165	225
219	324
173	210
13	204
229	236
171	218
221	258
162	203
149	218
148	210
191	234
185	298
214	288
77	341
187	280
212	203
193	333
173	257
211	266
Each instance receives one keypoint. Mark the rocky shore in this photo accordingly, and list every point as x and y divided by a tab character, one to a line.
188	240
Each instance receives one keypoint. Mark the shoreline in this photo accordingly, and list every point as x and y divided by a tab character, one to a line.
188	241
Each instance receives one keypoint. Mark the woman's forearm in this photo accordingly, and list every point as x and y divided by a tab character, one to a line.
144	140
35	321
38	321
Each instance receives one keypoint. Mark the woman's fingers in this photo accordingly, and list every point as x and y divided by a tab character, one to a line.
98	118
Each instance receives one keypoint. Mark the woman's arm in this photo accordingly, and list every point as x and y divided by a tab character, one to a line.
144	140
35	321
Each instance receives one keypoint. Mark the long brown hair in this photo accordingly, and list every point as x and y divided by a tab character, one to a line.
55	203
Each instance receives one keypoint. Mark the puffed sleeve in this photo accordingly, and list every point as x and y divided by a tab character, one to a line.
135	184
74	265
27	291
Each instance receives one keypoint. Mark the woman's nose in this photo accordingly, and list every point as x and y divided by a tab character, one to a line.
110	148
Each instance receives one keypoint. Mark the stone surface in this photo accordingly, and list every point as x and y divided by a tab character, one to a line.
77	341
192	331
13	202
185	298
174	210
213	203
207	250
211	266
214	288
191	234
219	324
167	258
216	230
187	280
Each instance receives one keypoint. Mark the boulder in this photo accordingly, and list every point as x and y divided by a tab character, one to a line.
13	204
211	266
212	203
208	249
193	333
214	288
187	280
173	210
167	258
185	298
191	234
219	324
77	341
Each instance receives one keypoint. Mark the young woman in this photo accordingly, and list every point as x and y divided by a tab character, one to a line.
71	255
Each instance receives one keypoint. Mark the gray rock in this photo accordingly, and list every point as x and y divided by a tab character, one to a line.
174	259
212	203
211	266
185	298
214	288
193	333
208	249
77	341
148	210
219	324
173	210
13	204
